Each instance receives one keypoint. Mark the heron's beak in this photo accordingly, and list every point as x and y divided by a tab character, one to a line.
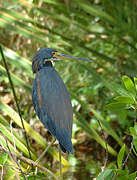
57	57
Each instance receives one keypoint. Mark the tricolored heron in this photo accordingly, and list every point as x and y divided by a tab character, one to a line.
50	97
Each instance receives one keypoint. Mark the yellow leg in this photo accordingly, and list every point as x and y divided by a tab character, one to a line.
60	165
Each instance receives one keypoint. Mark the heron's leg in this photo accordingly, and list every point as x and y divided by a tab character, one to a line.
45	151
60	164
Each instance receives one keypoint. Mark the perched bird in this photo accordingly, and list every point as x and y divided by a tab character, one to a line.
50	97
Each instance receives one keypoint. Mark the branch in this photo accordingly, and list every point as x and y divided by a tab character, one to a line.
28	161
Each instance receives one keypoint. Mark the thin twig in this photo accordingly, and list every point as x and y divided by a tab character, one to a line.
15	160
130	150
28	161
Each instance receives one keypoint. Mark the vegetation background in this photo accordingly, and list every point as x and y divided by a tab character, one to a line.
103	93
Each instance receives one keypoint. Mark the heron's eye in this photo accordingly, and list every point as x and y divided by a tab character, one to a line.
54	54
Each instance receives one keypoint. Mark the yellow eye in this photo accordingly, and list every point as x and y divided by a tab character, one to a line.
54	54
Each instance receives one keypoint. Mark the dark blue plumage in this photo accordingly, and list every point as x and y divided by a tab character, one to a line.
51	99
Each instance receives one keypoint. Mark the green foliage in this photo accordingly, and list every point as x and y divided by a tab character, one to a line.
120	156
107	174
3	158
125	102
101	30
129	85
133	132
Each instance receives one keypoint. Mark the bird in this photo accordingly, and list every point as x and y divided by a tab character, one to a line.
50	97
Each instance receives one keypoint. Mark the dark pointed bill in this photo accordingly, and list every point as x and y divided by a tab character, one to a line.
59	56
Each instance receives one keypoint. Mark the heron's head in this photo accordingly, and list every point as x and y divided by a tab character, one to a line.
40	58
48	54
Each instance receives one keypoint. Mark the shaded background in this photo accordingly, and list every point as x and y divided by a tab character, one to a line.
105	31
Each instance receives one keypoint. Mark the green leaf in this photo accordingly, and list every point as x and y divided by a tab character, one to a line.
135	81
118	88
135	127
96	12
125	99
133	176
133	132
122	174
16	60
107	174
115	106
120	156
3	158
129	85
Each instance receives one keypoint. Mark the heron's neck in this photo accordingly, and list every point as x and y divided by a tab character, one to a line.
48	63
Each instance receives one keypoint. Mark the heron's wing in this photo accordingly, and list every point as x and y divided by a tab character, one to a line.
54	109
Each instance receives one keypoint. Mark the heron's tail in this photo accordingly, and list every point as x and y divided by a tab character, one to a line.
69	150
